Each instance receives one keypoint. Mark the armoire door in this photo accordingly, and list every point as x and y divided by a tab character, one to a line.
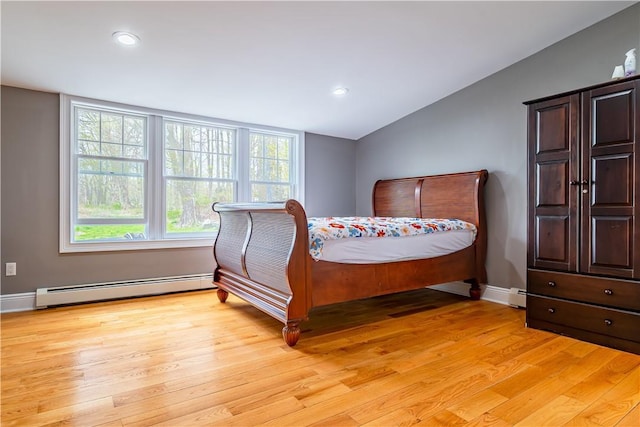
611	168
553	183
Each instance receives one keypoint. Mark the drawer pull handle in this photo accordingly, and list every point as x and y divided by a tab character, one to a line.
608	322
552	284
608	292
551	310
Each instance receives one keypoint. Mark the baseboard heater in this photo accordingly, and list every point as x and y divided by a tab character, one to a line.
518	297
47	297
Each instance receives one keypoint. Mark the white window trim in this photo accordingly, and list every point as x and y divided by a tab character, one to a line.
155	192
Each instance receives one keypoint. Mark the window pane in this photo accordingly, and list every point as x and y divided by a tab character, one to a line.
111	150
174	160
173	135
110	189
226	167
109	232
209	165
88	125
283	148
269	161
226	138
192	138
271	147
110	134
133	152
256	170
89	148
134	131
206	151
271	170
207	138
191	164
255	146
283	171
111	128
270	192
89	165
189	204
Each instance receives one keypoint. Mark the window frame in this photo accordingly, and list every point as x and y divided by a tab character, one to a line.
155	179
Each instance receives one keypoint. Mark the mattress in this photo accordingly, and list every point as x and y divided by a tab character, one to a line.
372	250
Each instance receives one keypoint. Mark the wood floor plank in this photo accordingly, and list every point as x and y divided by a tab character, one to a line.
632	419
614	405
206	417
400	417
530	400
341	420
596	382
92	412
590	363
555	413
423	357
476	405
487	420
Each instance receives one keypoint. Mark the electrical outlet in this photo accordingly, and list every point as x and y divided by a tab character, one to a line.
10	269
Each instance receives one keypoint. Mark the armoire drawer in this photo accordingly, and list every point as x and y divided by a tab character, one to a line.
618	293
605	321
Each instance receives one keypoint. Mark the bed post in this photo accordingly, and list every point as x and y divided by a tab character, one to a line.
222	295
481	238
291	333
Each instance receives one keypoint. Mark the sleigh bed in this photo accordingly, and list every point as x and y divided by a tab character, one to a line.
261	253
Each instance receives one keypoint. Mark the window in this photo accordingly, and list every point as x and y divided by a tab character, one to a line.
134	178
111	164
270	166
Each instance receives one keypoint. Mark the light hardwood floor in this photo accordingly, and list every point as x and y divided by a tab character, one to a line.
423	357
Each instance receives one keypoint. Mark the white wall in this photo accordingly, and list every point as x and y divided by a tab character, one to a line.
484	126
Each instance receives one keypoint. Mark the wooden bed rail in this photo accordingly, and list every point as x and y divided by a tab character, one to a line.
262	256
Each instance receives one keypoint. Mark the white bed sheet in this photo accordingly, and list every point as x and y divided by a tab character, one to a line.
372	250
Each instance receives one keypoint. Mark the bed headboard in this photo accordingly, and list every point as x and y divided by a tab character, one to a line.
457	195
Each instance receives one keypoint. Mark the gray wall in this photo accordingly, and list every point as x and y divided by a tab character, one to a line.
30	145
484	126
330	175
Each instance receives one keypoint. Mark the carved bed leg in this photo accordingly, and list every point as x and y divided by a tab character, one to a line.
291	333
222	295
474	291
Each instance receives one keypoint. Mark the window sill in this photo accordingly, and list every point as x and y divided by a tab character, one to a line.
135	245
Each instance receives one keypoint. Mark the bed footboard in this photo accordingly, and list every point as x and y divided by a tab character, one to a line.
261	256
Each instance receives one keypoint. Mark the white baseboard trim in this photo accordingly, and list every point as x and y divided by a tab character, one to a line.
489	292
27	301
44	297
17	302
90	292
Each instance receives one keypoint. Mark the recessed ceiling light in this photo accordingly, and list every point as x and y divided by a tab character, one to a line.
340	91
125	38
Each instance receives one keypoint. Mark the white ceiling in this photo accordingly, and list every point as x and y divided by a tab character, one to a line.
275	63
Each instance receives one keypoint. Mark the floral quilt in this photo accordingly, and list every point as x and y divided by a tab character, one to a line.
321	229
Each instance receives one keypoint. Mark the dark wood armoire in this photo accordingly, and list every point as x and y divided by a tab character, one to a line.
583	276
